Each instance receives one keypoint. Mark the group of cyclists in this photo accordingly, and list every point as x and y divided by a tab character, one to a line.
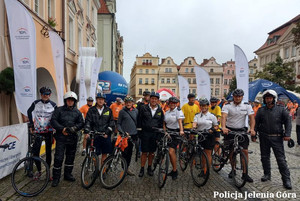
139	120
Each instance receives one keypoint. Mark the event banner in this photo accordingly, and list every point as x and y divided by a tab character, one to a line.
183	90
58	59
203	83
23	48
82	87
242	71
16	136
94	77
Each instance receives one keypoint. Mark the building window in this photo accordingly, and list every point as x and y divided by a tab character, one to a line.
228	72
293	51
254	64
190	62
211	80
140	91
147	71
140	80
211	70
153	71
287	53
225	91
225	82
230	80
168	80
141	71
194	80
217	91
152	90
152	80
251	71
36	6
173	80
168	61
170	70
194	91
146	90
71	33
162	80
186	70
51	8
250	79
146	80
217	80
192	70
173	90
189	80
232	72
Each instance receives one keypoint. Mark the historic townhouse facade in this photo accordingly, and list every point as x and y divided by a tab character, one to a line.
228	74
253	68
187	71
167	75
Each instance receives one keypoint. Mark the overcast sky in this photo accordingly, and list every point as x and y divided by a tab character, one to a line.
198	28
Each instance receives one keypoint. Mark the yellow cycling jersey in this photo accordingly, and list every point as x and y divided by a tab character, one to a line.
216	111
189	112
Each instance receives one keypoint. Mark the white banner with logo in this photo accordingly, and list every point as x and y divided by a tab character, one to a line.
242	71
82	87
203	83
58	59
23	47
94	77
183	90
16	136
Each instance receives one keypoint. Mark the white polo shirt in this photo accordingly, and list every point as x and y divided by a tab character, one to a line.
171	118
236	114
205	121
153	110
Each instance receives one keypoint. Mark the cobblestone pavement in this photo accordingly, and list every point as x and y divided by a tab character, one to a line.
135	188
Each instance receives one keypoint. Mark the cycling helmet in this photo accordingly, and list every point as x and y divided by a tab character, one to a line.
146	93
128	99
270	93
214	100
70	95
173	99
89	99
154	94
238	92
100	95
256	101
191	96
45	90
203	101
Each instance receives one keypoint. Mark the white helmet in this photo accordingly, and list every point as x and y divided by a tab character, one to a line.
270	92
70	94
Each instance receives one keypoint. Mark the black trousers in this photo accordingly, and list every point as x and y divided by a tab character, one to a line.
37	147
276	143
298	133
63	147
127	153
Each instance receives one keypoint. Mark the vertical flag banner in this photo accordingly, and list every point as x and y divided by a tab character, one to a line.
94	77
82	88
242	71
23	48
203	83
183	90
58	59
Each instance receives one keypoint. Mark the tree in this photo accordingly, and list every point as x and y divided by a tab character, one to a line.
232	87
296	33
280	73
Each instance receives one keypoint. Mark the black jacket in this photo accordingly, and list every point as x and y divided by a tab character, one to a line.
95	122
64	117
146	121
271	121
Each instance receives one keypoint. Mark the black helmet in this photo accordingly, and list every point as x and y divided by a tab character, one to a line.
100	95
154	94
291	143
146	93
203	101
238	92
45	90
191	96
173	99
214	100
89	99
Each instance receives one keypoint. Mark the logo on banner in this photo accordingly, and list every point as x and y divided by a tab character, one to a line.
27	92
202	83
21	34
24	63
267	84
242	72
105	85
11	140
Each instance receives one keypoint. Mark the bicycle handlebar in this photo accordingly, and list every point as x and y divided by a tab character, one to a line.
4	146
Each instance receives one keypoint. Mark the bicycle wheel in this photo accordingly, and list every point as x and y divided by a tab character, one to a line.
163	169
240	169
113	171
200	168
156	160
30	176
183	156
89	170
217	158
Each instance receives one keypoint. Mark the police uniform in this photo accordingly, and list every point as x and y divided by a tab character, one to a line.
171	120
236	119
205	122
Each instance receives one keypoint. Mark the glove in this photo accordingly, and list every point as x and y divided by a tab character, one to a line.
71	130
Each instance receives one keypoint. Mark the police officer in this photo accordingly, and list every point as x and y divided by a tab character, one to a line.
173	122
269	124
150	115
234	119
67	120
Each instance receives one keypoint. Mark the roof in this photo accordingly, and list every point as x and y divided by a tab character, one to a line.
205	61
103	9
277	33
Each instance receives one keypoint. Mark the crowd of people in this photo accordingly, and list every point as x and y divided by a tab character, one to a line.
270	121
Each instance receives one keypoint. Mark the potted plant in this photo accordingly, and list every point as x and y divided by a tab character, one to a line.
52	22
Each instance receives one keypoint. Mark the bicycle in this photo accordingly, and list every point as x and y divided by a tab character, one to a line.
30	176
239	161
90	165
5	146
114	168
162	158
191	152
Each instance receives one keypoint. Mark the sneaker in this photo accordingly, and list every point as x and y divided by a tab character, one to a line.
83	152
130	173
173	174
265	178
50	178
230	175
37	176
247	178
287	185
141	174
149	171
55	182
69	178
